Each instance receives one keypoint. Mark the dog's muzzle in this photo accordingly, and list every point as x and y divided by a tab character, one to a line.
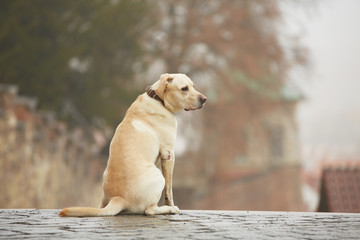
202	100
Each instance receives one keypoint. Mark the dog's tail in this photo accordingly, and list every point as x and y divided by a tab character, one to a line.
115	206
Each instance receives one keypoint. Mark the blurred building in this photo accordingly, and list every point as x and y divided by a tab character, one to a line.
246	165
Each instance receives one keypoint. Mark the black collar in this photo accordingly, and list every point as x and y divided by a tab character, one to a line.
151	93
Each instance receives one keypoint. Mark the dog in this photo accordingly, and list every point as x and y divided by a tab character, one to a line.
131	182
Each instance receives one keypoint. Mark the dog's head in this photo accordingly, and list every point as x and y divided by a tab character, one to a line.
178	92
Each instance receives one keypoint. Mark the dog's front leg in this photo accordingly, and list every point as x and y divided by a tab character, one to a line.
167	167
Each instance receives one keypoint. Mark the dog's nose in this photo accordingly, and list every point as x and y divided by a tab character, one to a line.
202	99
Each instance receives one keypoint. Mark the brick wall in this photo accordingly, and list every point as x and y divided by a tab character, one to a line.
276	189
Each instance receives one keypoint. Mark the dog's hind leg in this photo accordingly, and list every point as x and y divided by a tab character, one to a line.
155	210
103	202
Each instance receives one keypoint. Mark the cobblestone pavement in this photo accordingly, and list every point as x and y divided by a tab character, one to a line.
45	224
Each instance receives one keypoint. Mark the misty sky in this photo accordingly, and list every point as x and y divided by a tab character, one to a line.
329	118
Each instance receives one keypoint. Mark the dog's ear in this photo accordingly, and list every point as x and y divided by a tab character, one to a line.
165	80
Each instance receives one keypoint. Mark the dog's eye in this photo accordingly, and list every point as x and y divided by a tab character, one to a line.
184	89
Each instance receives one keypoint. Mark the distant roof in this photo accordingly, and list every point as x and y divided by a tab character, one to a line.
340	190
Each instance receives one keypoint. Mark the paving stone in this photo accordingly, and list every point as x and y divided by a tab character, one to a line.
45	224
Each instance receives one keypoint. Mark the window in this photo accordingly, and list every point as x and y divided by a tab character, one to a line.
276	143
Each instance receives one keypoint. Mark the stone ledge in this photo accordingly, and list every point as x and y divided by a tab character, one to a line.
45	224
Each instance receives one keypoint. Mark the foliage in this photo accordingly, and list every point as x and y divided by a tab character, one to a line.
217	41
75	50
85	54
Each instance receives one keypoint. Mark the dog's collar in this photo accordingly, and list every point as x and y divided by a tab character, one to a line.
151	93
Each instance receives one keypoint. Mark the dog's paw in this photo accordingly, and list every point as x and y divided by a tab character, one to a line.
166	155
175	210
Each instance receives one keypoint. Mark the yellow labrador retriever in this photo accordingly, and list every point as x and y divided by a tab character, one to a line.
132	183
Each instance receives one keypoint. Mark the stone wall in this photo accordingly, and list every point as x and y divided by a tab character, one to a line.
44	164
